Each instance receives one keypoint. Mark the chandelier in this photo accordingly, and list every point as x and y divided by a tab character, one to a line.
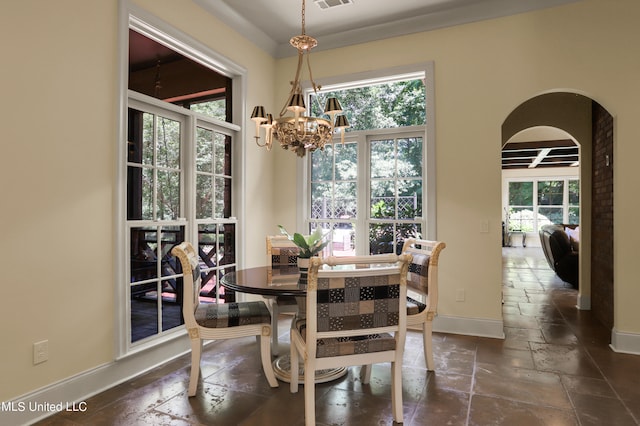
300	133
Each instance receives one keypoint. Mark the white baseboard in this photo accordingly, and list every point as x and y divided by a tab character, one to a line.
69	394
628	343
584	302
469	326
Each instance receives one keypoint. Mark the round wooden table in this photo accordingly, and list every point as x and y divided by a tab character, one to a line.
276	281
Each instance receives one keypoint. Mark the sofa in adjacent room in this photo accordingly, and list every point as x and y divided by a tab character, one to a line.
561	246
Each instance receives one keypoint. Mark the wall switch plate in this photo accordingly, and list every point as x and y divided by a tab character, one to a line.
40	352
460	295
484	226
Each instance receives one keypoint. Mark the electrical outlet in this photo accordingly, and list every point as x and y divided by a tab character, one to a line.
484	226
40	352
460	295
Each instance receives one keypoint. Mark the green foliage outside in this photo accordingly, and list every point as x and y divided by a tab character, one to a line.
382	106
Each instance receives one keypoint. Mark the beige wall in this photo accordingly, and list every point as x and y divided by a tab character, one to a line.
482	72
56	174
57	167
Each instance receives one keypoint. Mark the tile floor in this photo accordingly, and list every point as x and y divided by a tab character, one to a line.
553	368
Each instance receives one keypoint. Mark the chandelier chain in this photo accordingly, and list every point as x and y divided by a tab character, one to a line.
303	17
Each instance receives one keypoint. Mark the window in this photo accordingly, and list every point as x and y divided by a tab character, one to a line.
176	157
536	202
395	198
369	192
334	195
170	151
154	176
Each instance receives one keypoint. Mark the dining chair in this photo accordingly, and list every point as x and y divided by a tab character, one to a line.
422	293
422	289
355	315
281	253
209	321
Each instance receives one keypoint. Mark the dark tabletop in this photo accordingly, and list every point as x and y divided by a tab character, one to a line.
265	280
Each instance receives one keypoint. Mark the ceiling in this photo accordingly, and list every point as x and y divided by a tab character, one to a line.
338	23
540	154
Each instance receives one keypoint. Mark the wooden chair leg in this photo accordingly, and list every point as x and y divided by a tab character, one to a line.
309	394
294	382
396	391
265	355
196	351
365	374
428	347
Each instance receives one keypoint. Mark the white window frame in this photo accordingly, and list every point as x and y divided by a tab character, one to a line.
133	17
423	71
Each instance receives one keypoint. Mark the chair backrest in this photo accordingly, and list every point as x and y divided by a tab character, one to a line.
423	269
192	279
365	298
281	251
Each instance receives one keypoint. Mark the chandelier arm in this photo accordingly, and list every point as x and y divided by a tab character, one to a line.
295	84
313	83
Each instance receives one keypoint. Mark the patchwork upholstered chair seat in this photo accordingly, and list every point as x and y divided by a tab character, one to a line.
211	321
355	315
214	315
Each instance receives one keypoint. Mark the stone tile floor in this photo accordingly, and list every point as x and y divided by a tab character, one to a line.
554	367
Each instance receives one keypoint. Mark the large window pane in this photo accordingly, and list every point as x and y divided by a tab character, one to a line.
343	239
521	219
222	163
574	192
381	238
153	172
345	206
410	157
322	164
409	199
550	192
213	179
383	158
521	194
168	143
334	190
148	141
204	189
552	214
213	108
379	106
168	196
204	153
574	215
383	200
346	162
321	200
155	295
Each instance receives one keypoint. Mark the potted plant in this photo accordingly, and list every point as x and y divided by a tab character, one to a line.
309	246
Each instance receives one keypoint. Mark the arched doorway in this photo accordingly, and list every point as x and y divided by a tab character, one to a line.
591	126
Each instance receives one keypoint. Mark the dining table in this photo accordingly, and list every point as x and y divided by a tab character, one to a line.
271	281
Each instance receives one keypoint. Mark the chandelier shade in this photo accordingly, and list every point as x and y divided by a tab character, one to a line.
300	133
